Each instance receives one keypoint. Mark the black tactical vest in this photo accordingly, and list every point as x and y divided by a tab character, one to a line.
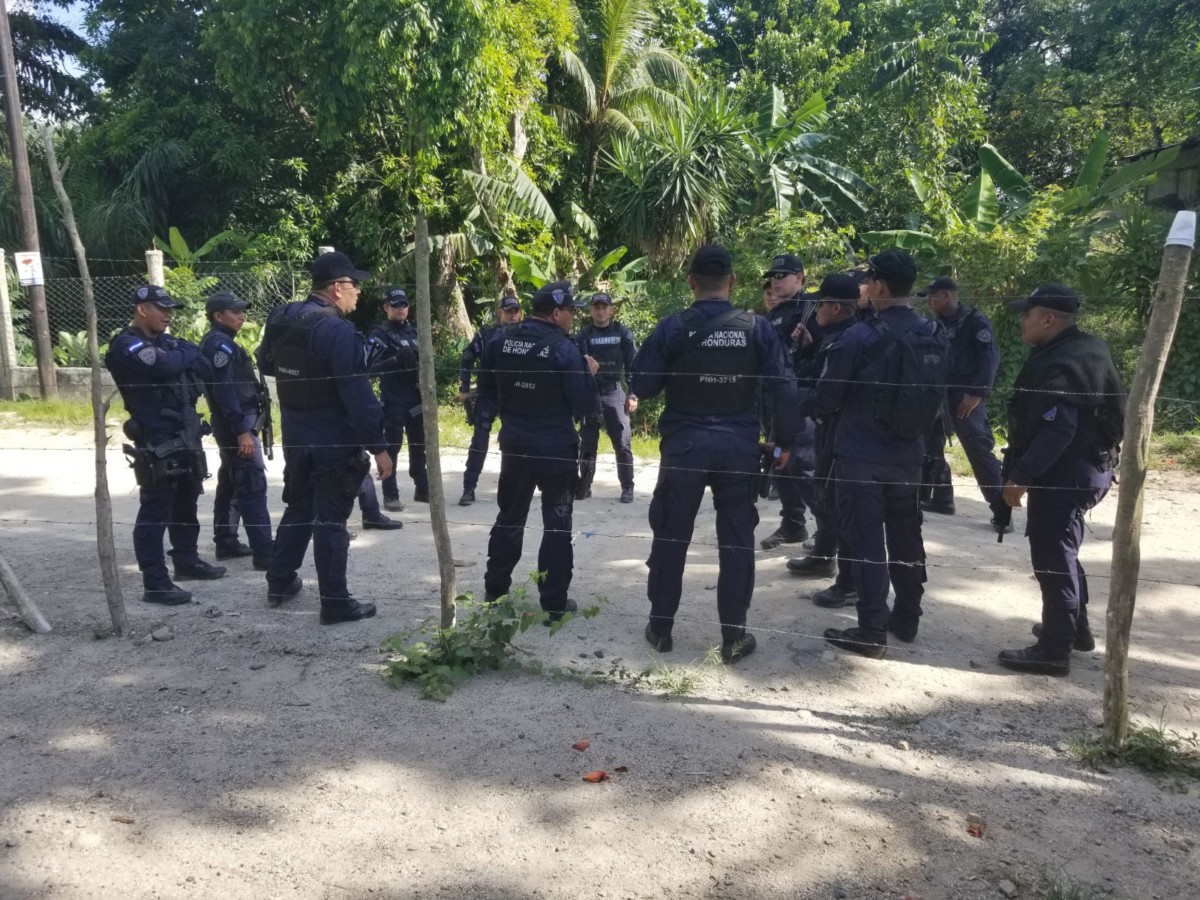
526	381
151	402
242	377
604	347
302	380
714	376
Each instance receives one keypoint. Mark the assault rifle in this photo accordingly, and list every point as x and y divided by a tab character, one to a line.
263	426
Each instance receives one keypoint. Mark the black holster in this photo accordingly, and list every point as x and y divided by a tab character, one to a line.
356	471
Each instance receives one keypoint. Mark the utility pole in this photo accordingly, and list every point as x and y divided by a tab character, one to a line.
24	190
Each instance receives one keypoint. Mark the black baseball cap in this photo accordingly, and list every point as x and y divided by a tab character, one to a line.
152	293
555	295
859	276
838	289
1057	297
601	297
938	284
331	266
395	296
224	300
711	260
894	264
510	302
786	264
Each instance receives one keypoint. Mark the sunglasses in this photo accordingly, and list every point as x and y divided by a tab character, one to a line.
779	276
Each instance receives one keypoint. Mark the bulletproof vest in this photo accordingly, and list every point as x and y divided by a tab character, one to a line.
242	377
526	380
604	347
1077	368
150	402
402	337
713	374
302	380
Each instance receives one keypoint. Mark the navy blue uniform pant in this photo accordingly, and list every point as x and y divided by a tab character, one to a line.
241	496
171	510
879	518
553	473
397	422
795	484
975	436
616	425
826	543
1054	526
726	463
319	488
477	452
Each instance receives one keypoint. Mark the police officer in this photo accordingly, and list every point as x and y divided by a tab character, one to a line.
878	469
789	310
534	377
836	311
710	360
329	414
611	345
507	313
392	357
1065	418
235	404
973	364
158	376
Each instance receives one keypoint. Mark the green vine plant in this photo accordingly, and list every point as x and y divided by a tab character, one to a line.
480	642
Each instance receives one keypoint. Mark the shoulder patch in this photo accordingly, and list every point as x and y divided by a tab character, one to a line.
1051	414
220	359
148	355
984	336
136	346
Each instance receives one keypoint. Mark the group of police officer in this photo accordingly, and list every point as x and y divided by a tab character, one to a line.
844	397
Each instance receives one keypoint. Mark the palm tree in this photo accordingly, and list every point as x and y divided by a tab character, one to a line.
622	79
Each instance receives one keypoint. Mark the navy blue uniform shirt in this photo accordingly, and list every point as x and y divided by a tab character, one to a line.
358	422
221	353
518	432
615	333
472	352
147	371
847	387
392	358
652	366
974	358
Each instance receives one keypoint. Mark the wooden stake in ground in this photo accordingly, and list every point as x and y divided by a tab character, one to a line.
105	545
30	614
1135	451
429	408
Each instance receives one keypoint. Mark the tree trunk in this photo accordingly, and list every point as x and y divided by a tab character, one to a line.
29	613
105	544
447	297
429	407
1139	426
516	130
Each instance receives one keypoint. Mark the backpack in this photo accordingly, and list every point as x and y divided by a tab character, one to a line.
913	388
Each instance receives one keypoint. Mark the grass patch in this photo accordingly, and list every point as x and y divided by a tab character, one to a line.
1154	749
1175	452
56	413
902	717
1061	886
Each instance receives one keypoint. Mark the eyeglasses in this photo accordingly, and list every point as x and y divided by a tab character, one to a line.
349	281
779	276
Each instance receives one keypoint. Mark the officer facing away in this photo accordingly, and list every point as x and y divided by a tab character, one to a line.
234	402
157	375
508	312
1065	422
392	357
329	414
710	360
534	377
611	345
883	407
973	364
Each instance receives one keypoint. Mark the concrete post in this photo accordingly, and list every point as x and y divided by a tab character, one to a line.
154	267
321	251
8	338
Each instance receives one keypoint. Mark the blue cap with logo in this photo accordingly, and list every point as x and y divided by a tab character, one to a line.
152	293
395	296
510	302
555	295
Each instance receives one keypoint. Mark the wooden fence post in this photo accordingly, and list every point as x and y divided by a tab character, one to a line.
106	548
1135	452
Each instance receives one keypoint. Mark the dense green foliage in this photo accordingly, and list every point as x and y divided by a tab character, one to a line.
540	138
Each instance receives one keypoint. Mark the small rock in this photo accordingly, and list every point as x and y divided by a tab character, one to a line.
828	656
599	654
902	745
254	667
162	634
974	665
1062	747
462	564
839	893
710	587
1007	888
86	840
10	843
213	613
